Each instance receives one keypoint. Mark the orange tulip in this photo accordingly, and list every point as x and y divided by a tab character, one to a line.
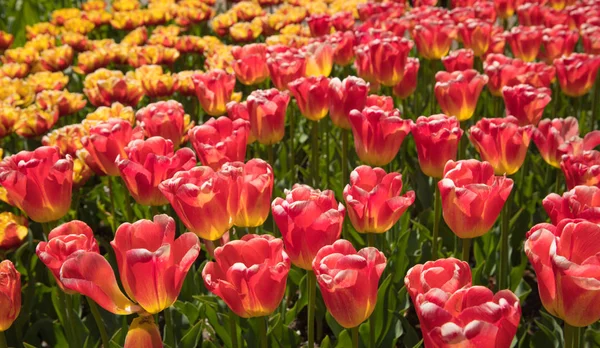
459	60
558	41
581	202
551	136
285	67
143	332
476	35
581	168
165	119
434	37
250	64
525	42
13	230
457	92
267	109
312	96
220	140
345	96
214	90
526	103
10	289
408	85
577	73
388	58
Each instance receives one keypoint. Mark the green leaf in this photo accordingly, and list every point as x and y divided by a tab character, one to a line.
193	336
344	340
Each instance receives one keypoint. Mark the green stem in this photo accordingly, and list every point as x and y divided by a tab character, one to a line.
233	329
169	331
98	319
371	239
372	332
112	204
354	337
557	183
344	163
577	337
128	210
251	230
46	227
582	115
3	343
314	159
69	311
311	285
569	333
326	137
504	234
262	331
466	249
595	97
153	211
292	149
271	156
437	214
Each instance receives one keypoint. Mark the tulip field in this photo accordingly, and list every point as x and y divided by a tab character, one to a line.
300	173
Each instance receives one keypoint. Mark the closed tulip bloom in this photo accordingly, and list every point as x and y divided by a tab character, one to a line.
148	163
526	103
249	275
348	280
378	134
285	67
434	37
13	230
501	72
254	181
206	201
530	14
220	140
408	85
590	35
581	169
319	58
165	119
470	317
267	109
388	57
342	21
458	60
448	275
214	89
250	63
345	96
152	263
476	35
564	259
106	141
384	102
558	41
10	294
312	96
343	42
63	242
581	202
501	142
319	24
577	73
525	42
39	182
550	135
472	197
308	219
458	92
374	199
505	8
143	332
436	138
363	64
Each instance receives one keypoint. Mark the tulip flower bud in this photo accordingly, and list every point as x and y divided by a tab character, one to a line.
165	119
436	138
312	95
458	92
525	42
214	90
408	85
434	37
13	230
526	103
250	64
345	96
577	73
267	109
143	332
550	135
10	292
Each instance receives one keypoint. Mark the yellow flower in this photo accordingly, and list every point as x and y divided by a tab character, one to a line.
13	230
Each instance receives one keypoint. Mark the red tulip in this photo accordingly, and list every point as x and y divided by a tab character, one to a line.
308	220
550	135
526	103
388	58
485	10
590	35
536	74
476	35
525	42
348	280
469	317
448	275
63	243
39	182
581	169
249	275
408	85
206	201
312	96
214	89
374	199
501	142
152	263
342	21
363	64
501	71
148	163
254	182
107	141
505	8
10	294
343	43
250	63
345	96
582	202
285	67
378	134
558	41
436	138
458	92
220	140
433	37
553	17
563	257
530	14
577	73
472	197
383	102
319	58
165	119
319	24
267	109
143	332
459	60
